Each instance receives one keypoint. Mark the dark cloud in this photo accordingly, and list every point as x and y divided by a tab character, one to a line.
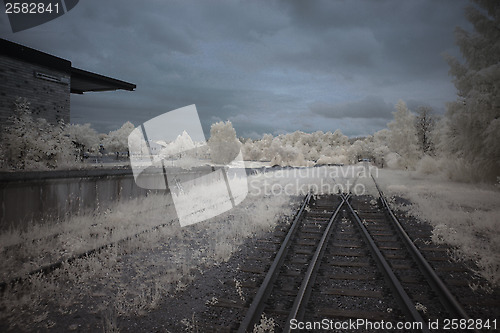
398	40
262	64
368	107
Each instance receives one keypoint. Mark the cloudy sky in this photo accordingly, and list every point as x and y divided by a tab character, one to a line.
269	66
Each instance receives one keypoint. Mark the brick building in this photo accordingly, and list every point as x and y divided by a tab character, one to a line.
46	81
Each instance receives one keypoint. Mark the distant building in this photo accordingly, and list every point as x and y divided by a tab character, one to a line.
45	81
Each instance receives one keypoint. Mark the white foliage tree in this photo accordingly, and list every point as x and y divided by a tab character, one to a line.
83	137
286	155
355	151
183	150
299	148
381	143
474	118
182	147
339	138
252	151
181	144
403	136
33	144
223	143
117	141
265	144
379	155
382	137
425	122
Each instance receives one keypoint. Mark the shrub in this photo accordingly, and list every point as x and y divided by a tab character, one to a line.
29	144
223	143
427	165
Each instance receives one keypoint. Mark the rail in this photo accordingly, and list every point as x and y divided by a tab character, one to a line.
407	306
255	309
445	296
305	288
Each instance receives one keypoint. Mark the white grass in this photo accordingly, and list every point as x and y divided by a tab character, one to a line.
22	251
266	325
130	279
465	216
133	278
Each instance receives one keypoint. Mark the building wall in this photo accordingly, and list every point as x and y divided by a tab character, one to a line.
48	99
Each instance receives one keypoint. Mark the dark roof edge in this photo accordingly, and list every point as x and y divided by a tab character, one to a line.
30	55
33	56
93	76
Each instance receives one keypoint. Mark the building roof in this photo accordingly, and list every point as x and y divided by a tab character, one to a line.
81	81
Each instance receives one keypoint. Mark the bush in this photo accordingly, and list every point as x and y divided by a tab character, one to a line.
30	144
427	165
335	159
461	170
286	155
393	161
224	146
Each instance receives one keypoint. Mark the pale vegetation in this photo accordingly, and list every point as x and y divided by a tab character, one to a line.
224	146
463	145
473	126
113	282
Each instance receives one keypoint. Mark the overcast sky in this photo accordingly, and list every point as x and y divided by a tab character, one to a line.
268	66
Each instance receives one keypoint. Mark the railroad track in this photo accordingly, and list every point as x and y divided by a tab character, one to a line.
343	257
348	258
